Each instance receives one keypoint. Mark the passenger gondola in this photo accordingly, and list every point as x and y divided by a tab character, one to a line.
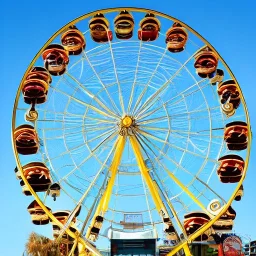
206	62
38	215
195	220
236	135
38	176
149	28
176	38
35	87
99	29
26	140
56	59
73	40
230	169
124	24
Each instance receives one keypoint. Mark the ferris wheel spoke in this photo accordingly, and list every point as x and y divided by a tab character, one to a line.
92	96
160	205
90	187
82	103
117	80
174	103
148	103
146	86
101	135
135	79
103	85
175	179
89	156
178	165
197	133
104	200
147	134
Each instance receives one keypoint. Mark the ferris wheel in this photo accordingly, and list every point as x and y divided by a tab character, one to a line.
128	123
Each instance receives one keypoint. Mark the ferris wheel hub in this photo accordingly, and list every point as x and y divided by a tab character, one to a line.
127	121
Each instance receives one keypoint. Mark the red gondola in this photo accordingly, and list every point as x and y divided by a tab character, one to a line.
99	29
206	62
124	24
26	140
55	59
231	168
176	38
39	217
149	28
38	176
193	221
35	87
236	135
73	40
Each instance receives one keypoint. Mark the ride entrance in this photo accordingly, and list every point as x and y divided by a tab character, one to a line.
132	135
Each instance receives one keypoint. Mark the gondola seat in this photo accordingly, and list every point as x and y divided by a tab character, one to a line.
149	28
124	24
99	29
230	169
56	59
206	62
39	217
26	140
73	40
236	135
176	38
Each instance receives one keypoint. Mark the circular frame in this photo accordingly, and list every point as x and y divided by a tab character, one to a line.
84	243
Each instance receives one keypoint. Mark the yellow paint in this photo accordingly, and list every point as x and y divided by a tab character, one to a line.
144	171
127	121
103	204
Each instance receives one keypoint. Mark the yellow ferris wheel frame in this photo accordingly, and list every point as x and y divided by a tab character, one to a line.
83	243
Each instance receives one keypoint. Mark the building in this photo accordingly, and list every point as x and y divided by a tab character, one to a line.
250	249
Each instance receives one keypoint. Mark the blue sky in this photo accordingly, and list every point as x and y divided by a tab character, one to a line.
228	25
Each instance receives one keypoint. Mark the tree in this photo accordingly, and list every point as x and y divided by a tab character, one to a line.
39	245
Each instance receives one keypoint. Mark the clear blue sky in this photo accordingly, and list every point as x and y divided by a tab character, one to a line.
228	25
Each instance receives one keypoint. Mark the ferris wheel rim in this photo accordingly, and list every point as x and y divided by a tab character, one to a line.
143	10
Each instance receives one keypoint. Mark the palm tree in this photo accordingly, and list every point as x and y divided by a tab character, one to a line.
39	245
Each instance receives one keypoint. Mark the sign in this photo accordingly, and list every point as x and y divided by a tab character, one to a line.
232	245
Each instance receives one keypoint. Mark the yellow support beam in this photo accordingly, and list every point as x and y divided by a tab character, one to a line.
145	174
103	204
